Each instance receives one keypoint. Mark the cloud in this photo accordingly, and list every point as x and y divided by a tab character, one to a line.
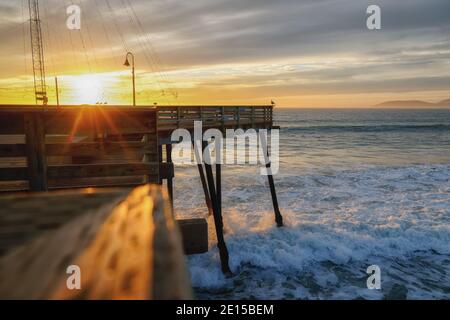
307	46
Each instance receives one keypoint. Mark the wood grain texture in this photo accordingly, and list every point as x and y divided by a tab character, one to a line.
35	151
127	246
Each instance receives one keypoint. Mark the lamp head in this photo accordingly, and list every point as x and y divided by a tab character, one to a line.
127	63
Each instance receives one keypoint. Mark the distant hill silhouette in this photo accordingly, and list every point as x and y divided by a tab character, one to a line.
414	103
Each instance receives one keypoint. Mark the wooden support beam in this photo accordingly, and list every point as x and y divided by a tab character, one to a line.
170	178
160	157
203	181
205	189
278	216
35	151
166	170
218	222
219	186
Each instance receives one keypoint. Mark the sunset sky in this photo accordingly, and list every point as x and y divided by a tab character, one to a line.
300	53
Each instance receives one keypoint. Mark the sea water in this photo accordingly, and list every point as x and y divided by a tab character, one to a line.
356	187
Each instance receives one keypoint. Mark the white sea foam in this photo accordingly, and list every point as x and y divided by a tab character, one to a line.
338	222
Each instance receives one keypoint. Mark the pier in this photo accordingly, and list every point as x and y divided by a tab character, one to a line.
88	151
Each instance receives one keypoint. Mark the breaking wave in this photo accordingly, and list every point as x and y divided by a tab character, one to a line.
336	226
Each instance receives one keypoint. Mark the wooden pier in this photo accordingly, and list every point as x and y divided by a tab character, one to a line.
125	243
76	147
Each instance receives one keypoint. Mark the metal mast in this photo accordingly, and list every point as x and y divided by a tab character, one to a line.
37	49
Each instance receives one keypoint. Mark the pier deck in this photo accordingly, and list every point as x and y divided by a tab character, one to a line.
71	147
95	146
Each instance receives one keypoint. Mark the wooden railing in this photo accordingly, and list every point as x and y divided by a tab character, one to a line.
95	146
126	245
170	118
77	147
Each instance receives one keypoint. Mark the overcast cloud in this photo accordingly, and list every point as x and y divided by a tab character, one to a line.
293	50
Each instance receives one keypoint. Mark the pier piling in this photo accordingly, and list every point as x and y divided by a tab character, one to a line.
170	178
201	173
218	221
278	216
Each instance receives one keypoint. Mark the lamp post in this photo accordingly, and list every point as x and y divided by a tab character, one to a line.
127	64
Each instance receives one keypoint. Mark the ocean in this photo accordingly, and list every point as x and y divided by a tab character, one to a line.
356	187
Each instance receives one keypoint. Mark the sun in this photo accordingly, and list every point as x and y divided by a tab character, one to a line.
87	89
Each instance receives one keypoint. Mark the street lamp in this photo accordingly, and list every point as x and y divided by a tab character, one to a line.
127	64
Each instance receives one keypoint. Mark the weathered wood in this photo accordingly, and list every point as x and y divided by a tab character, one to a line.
201	172
13	174
109	145
219	186
218	222
35	152
160	157
205	188
127	246
278	216
170	118
102	170
11	123
12	150
170	178
131	148
120	181
81	147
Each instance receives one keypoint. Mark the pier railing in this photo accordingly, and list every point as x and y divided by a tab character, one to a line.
119	244
95	146
77	147
170	118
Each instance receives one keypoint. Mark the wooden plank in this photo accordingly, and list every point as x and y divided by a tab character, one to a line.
97	182
11	123
127	248
172	173
102	170
67	125
13	174
101	148
35	151
12	150
103	121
